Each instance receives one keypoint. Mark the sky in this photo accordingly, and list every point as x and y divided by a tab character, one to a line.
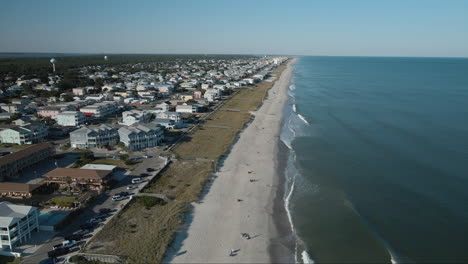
420	28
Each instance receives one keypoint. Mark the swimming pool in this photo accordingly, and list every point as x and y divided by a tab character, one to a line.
51	218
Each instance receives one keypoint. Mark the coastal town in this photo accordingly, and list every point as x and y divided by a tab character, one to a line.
79	146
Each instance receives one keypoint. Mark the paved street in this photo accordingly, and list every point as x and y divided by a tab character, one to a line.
102	201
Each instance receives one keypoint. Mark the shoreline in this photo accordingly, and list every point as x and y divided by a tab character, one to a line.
214	226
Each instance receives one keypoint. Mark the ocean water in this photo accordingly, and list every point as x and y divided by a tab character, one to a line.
378	167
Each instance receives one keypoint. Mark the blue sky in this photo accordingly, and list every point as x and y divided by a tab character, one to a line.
328	27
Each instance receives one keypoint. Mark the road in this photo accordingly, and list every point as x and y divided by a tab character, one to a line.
104	200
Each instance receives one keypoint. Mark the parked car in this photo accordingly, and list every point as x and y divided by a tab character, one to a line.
117	198
105	210
131	187
147	156
95	220
58	252
56	246
74	237
48	261
87	226
137	180
82	232
69	243
149	169
124	194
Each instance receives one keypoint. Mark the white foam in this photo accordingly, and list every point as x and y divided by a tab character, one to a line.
288	212
287	145
294	108
292	87
306	258
303	119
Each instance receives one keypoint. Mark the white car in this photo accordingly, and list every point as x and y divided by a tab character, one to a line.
137	180
69	243
131	187
117	198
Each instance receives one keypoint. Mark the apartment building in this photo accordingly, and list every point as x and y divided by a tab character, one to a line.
92	137
71	118
100	110
84	178
12	164
141	135
17	222
30	133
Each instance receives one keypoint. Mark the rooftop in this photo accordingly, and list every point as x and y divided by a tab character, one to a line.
23	153
78	173
10	213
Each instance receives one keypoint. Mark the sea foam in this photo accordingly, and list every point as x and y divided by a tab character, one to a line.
303	118
306	258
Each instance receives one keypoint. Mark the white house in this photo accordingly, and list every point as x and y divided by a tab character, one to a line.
71	118
211	94
134	116
141	135
164	89
185	108
16	223
174	116
164	106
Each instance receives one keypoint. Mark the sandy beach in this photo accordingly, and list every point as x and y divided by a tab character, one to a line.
250	173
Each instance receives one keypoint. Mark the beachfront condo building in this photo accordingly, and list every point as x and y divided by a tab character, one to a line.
17	222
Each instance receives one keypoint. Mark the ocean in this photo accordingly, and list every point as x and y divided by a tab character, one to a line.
378	163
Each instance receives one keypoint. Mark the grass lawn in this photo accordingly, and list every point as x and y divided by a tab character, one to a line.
63	201
143	234
9	260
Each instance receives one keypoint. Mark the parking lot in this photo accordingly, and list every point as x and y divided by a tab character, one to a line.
104	200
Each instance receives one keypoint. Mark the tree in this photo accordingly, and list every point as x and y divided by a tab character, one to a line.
69	181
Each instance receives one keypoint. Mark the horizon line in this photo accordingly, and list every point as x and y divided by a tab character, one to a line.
249	54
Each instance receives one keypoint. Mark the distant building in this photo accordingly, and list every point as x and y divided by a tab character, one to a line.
93	137
49	111
185	108
141	135
197	94
71	118
12	108
174	116
12	164
100	110
134	116
211	94
17	222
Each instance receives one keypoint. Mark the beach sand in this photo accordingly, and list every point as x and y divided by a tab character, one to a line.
215	224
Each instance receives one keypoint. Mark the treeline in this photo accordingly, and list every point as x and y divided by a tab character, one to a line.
41	67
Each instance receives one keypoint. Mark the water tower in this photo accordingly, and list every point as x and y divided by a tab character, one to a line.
53	61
